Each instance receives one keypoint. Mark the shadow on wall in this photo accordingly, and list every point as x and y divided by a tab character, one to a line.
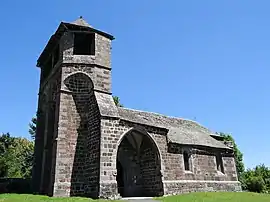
84	136
50	146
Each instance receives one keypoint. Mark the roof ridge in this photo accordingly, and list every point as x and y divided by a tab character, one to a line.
173	117
182	131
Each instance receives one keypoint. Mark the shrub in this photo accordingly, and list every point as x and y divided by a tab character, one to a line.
256	184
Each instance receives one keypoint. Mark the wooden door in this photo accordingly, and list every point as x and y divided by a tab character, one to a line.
132	180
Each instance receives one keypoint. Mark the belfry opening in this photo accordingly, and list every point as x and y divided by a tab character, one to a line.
138	166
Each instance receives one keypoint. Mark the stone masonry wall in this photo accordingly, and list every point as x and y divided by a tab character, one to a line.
96	66
203	175
102	55
77	163
179	187
92	161
39	142
51	131
67	152
172	163
110	135
112	131
44	141
150	169
203	164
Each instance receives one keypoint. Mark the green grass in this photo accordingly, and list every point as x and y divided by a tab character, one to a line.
38	198
193	197
218	197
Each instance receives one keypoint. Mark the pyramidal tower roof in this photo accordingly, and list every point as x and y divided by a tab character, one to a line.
81	22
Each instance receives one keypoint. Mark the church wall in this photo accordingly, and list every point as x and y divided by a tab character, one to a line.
97	67
47	114
204	176
150	170
103	51
202	163
50	132
102	55
92	160
179	187
77	161
78	152
110	135
102	76
39	144
112	131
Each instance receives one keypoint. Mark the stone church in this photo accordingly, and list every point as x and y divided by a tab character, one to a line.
87	146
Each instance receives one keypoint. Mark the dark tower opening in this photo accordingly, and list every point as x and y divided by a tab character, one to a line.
84	44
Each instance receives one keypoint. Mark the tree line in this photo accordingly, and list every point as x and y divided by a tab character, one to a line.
16	159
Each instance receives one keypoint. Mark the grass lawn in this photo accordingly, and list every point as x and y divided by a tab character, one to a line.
38	198
218	197
193	197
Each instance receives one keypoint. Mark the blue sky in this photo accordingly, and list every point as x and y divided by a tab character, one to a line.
202	60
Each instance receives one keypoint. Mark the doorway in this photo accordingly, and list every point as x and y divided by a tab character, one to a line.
138	166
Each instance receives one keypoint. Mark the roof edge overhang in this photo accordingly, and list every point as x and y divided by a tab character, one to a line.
217	137
51	43
143	124
74	27
201	145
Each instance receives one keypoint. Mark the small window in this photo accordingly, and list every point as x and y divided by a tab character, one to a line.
219	162
186	161
84	44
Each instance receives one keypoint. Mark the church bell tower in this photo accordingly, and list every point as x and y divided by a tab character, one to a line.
75	71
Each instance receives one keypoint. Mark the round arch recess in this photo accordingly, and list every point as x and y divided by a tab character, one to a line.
138	166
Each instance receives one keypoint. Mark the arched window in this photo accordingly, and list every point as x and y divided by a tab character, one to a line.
186	161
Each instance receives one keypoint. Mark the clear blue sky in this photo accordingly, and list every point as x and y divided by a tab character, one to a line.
203	60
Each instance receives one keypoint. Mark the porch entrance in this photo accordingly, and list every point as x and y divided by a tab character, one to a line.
138	166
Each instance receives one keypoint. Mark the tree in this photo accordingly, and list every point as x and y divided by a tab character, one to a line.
257	179
238	154
16	156
5	142
33	127
19	158
116	100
